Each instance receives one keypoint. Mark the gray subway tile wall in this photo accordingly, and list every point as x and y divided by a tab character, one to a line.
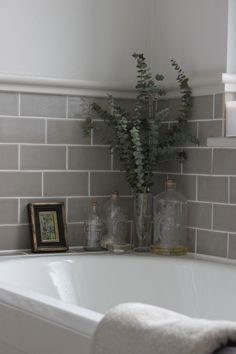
219	106
9	211
65	183
209	129
186	185
203	107
102	183
23	130
42	157
198	161
13	237
8	157
34	105
212	193
9	104
66	132
20	184
199	215
45	157
232	246
213	189
212	243
224	161
89	158
80	107
232	189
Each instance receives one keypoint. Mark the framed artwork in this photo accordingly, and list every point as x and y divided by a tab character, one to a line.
48	227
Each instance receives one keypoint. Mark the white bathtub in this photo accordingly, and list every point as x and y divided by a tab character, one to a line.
52	304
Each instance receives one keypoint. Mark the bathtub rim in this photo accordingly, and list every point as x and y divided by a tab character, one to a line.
24	254
72	317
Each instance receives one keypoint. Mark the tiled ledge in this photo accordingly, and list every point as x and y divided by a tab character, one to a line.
229	81
222	142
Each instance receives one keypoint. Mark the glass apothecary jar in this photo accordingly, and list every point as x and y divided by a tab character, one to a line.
116	238
170	217
93	229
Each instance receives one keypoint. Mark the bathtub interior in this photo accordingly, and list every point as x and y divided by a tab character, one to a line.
99	282
64	297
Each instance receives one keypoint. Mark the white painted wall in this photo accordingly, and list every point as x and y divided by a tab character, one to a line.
94	39
74	39
231	49
193	32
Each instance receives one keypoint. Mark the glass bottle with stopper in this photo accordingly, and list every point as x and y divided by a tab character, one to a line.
170	214
116	238
93	229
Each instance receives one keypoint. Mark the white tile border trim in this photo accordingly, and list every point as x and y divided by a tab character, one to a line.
207	84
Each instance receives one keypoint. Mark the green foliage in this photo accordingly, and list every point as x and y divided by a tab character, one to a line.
137	138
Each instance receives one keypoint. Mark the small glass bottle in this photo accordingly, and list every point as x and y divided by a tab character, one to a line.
170	212
116	237
93	229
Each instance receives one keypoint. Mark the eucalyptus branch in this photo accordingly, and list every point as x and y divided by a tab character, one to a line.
137	138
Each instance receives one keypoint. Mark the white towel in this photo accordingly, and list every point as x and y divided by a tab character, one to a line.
135	328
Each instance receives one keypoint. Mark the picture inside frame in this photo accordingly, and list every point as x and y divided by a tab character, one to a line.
48	227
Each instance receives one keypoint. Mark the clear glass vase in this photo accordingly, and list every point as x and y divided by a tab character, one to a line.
143	221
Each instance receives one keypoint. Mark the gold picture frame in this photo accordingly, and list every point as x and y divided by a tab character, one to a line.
48	227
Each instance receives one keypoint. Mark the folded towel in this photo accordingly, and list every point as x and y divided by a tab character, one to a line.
135	328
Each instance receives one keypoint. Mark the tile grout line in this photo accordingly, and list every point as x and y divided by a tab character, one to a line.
67	157
195	245
213	108
109	171
19	159
227	246
16	224
91	136
19	104
67	207
223	129
198	130
42	185
64	171
18	211
63	196
89	181
131	232
208	230
60	119
67	107
46	131
194	174
212	161
55	145
12	116
212	216
76	223
112	159
229	189
209	202
196	188
106	145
